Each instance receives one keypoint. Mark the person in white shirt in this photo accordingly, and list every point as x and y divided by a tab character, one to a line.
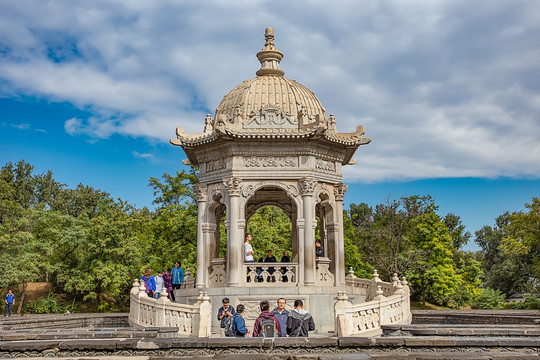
248	249
159	285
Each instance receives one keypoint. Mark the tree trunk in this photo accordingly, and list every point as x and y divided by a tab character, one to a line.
23	296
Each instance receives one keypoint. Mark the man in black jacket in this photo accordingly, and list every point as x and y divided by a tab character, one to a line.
299	322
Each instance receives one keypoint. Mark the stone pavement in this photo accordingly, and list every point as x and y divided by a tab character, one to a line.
64	337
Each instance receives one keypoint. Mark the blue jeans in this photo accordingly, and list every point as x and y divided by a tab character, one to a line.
157	295
9	307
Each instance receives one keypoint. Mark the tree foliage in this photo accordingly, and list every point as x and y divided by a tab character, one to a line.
91	246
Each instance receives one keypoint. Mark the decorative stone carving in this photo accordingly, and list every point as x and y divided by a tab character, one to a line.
270	161
216	190
249	190
208	124
270	117
287	209
324	276
325	165
233	185
218	277
215	165
200	192
339	191
307	185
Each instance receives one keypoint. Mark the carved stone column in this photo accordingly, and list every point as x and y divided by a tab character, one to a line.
201	192
307	188
339	194
234	238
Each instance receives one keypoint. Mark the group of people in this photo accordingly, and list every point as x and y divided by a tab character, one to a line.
276	323
270	258
170	280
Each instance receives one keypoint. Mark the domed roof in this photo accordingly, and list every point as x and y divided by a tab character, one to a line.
269	101
269	107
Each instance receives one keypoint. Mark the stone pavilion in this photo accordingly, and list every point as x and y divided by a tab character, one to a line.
271	143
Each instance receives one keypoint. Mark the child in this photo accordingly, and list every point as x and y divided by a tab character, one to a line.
159	284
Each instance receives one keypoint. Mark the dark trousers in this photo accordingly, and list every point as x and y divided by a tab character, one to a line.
9	307
174	287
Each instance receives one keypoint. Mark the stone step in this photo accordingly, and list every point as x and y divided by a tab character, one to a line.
498	317
461	330
90	333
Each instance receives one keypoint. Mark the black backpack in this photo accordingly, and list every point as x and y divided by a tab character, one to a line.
268	327
229	326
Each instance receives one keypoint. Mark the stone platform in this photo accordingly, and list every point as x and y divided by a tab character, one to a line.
31	337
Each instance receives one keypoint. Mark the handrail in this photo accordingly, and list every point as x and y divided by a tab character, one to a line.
191	320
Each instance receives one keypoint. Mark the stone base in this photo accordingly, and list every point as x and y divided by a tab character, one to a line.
318	301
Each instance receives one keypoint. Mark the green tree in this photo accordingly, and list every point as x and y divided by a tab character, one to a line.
507	271
432	271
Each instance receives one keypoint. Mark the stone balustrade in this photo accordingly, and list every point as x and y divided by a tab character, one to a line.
191	320
386	304
261	274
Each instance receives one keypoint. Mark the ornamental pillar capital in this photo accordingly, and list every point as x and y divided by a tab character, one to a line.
339	191
233	186
201	192
307	186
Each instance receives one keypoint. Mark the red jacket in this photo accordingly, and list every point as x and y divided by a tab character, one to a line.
257	327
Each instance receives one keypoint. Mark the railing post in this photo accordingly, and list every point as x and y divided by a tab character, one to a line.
342	324
134	308
205	315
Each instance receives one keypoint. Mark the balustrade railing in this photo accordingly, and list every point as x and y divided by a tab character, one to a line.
191	320
263	274
386	303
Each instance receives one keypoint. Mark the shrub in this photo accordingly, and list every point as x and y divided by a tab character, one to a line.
530	302
488	299
46	305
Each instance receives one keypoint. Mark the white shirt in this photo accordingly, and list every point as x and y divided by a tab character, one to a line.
247	250
159	283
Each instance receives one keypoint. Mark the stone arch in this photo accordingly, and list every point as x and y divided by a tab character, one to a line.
278	194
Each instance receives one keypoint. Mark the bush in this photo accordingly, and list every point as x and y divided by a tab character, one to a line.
530	302
488	299
46	305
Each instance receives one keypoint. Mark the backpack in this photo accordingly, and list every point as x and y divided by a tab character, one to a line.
268	327
229	326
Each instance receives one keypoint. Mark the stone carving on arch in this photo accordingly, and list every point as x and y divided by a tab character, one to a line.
250	189
217	191
252	209
323	190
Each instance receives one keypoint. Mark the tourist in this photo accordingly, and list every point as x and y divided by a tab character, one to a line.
167	282
319	249
270	258
240	329
285	258
299	322
159	284
281	315
149	282
266	324
10	301
248	249
177	278
223	313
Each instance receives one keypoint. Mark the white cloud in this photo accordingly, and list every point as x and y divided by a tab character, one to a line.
142	155
444	88
22	126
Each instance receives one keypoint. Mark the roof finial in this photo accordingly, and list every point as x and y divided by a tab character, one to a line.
269	56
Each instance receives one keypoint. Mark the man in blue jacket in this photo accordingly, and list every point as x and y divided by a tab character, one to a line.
10	301
240	329
281	314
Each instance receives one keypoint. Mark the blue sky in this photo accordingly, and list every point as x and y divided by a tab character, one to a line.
449	92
